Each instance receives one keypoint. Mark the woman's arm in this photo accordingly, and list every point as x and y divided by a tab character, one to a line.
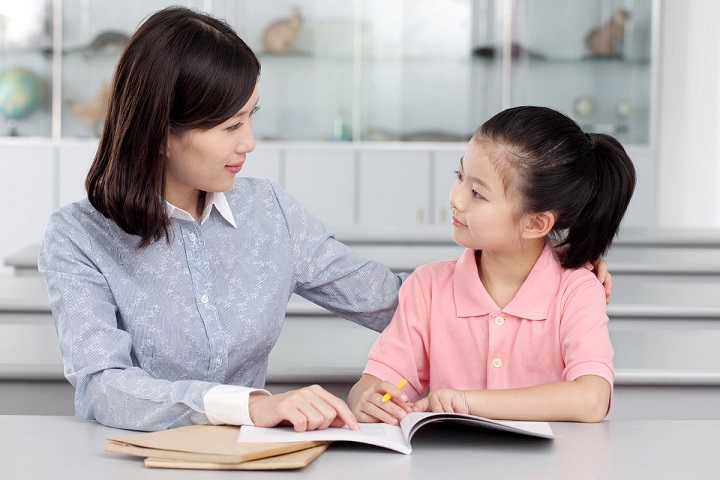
585	399
331	275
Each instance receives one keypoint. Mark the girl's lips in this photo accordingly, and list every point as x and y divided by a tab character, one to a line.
457	224
234	168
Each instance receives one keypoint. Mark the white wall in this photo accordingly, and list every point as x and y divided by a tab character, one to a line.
688	123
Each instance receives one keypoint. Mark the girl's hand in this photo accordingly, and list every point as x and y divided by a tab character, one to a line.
309	408
600	267
446	400
367	405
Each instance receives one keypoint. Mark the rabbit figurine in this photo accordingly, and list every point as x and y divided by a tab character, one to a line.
605	40
279	36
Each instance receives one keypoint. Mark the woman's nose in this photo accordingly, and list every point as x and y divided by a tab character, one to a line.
247	143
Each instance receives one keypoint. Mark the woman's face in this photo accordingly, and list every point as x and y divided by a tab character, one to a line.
208	160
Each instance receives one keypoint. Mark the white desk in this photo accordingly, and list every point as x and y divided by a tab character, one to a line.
60	448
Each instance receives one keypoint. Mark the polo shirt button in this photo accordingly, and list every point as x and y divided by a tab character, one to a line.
192	237
497	363
204	299
499	320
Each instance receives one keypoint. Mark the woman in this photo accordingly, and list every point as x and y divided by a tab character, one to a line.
169	294
169	284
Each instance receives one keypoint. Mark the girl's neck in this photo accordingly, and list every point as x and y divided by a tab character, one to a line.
502	274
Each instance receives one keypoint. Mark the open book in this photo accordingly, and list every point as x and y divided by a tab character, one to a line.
389	436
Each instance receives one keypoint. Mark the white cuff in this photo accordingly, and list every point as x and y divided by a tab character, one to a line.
229	405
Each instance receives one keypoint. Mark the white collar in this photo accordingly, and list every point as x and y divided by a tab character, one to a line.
211	198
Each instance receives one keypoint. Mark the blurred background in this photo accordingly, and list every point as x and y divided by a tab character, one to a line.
366	109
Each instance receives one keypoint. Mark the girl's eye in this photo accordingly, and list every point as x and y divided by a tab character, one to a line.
476	194
458	174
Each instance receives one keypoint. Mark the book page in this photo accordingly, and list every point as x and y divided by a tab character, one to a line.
415	420
378	434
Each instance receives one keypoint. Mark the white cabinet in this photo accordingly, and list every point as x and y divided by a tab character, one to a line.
445	164
28	186
394	187
323	179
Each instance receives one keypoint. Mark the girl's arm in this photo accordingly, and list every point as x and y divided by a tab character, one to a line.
585	399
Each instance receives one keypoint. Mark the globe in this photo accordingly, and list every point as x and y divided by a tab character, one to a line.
20	93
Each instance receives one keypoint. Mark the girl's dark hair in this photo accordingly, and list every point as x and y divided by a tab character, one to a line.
585	179
181	70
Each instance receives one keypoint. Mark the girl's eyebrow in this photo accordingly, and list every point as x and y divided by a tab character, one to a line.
474	179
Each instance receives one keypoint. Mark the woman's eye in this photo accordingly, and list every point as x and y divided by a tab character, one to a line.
234	127
255	110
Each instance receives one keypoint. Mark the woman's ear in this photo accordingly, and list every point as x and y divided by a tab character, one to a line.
538	225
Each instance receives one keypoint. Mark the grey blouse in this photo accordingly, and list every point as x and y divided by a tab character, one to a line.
144	334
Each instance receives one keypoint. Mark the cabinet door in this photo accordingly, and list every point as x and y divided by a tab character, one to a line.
445	164
264	162
394	186
75	159
27	184
323	180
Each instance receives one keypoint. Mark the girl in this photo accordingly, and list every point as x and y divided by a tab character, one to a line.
511	329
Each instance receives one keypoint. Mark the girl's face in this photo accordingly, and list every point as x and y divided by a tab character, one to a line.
208	160
482	213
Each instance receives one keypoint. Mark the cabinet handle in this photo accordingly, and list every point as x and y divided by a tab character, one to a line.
443	215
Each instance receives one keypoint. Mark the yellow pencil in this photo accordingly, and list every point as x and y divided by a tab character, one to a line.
400	384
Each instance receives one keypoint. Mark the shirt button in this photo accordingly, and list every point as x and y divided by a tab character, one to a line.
497	363
499	320
192	237
204	299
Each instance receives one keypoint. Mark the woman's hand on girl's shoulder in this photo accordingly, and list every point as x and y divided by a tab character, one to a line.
308	408
600	268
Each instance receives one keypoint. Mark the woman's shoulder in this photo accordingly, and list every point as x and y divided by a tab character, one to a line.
74	215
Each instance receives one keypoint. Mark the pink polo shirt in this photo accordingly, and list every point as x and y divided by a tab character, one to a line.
449	333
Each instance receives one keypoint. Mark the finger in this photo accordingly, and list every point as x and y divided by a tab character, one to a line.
421	405
378	413
393	390
404	406
340	408
446	404
435	405
320	414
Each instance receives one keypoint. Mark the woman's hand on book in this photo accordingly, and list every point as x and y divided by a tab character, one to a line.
445	400
366	401
309	408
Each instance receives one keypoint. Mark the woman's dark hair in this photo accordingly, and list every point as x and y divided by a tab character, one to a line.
181	70
585	179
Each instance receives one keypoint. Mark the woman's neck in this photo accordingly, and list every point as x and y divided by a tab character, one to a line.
192	202
502	274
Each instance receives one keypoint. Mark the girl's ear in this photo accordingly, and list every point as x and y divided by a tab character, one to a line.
538	225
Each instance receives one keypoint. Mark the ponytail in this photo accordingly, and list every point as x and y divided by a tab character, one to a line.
590	236
585	179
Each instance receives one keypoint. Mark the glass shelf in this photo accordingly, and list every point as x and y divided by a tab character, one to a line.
376	70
